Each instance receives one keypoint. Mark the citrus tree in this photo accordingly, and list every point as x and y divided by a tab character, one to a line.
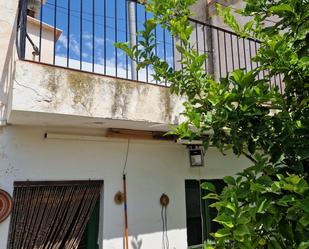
266	205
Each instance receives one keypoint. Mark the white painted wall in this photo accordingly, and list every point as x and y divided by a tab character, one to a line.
47	40
153	168
8	11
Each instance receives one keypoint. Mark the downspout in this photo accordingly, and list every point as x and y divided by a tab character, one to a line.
132	30
209	41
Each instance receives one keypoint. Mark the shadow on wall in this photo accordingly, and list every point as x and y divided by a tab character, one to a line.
7	76
136	242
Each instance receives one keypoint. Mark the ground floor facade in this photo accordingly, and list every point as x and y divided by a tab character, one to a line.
152	168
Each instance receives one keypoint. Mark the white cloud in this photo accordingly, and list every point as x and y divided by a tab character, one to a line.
63	44
110	68
74	45
87	36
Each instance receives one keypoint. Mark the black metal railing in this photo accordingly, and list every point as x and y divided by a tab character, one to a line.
80	34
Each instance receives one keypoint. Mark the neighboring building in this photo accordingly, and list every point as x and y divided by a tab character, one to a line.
72	121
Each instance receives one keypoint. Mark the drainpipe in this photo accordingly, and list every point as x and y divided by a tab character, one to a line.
209	41
132	27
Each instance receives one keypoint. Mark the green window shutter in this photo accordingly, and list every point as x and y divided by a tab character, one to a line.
208	212
93	227
195	223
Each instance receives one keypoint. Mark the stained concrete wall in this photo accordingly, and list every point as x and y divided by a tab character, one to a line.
40	88
152	168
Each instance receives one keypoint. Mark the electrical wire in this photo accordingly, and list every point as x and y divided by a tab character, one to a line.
163	228
126	158
65	12
104	25
166	235
86	12
165	239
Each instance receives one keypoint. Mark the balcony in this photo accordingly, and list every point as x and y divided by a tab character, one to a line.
101	85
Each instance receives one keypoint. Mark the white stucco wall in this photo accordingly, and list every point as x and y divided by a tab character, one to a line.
8	11
47	40
152	169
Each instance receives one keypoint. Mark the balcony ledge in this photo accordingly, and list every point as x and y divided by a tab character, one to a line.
54	96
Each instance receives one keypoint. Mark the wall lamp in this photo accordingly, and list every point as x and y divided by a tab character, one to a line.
196	155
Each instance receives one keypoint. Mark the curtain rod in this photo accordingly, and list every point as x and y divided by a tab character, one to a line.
56	183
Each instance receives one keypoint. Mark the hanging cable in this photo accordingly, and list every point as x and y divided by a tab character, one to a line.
164	201
163	228
126	158
166	235
165	239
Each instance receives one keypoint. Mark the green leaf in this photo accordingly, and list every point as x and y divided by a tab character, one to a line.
263	205
281	7
267	220
221	233
206	143
251	146
208	186
229	180
303	245
211	196
286	200
285	228
180	49
303	154
256	187
225	220
125	47
244	219
304	220
273	244
208	246
241	230
265	180
305	204
223	204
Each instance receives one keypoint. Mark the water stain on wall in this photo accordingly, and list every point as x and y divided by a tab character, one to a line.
82	86
122	95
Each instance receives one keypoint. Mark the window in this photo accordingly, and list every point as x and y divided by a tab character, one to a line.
199	214
55	214
89	239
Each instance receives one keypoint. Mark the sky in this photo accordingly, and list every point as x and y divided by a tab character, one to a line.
90	45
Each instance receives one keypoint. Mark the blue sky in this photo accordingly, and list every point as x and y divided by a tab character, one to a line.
115	16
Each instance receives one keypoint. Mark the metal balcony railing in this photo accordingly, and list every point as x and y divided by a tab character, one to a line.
80	34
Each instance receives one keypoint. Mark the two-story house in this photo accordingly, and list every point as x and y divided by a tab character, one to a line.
75	118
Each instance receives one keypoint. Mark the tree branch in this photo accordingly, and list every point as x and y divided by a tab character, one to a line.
249	157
